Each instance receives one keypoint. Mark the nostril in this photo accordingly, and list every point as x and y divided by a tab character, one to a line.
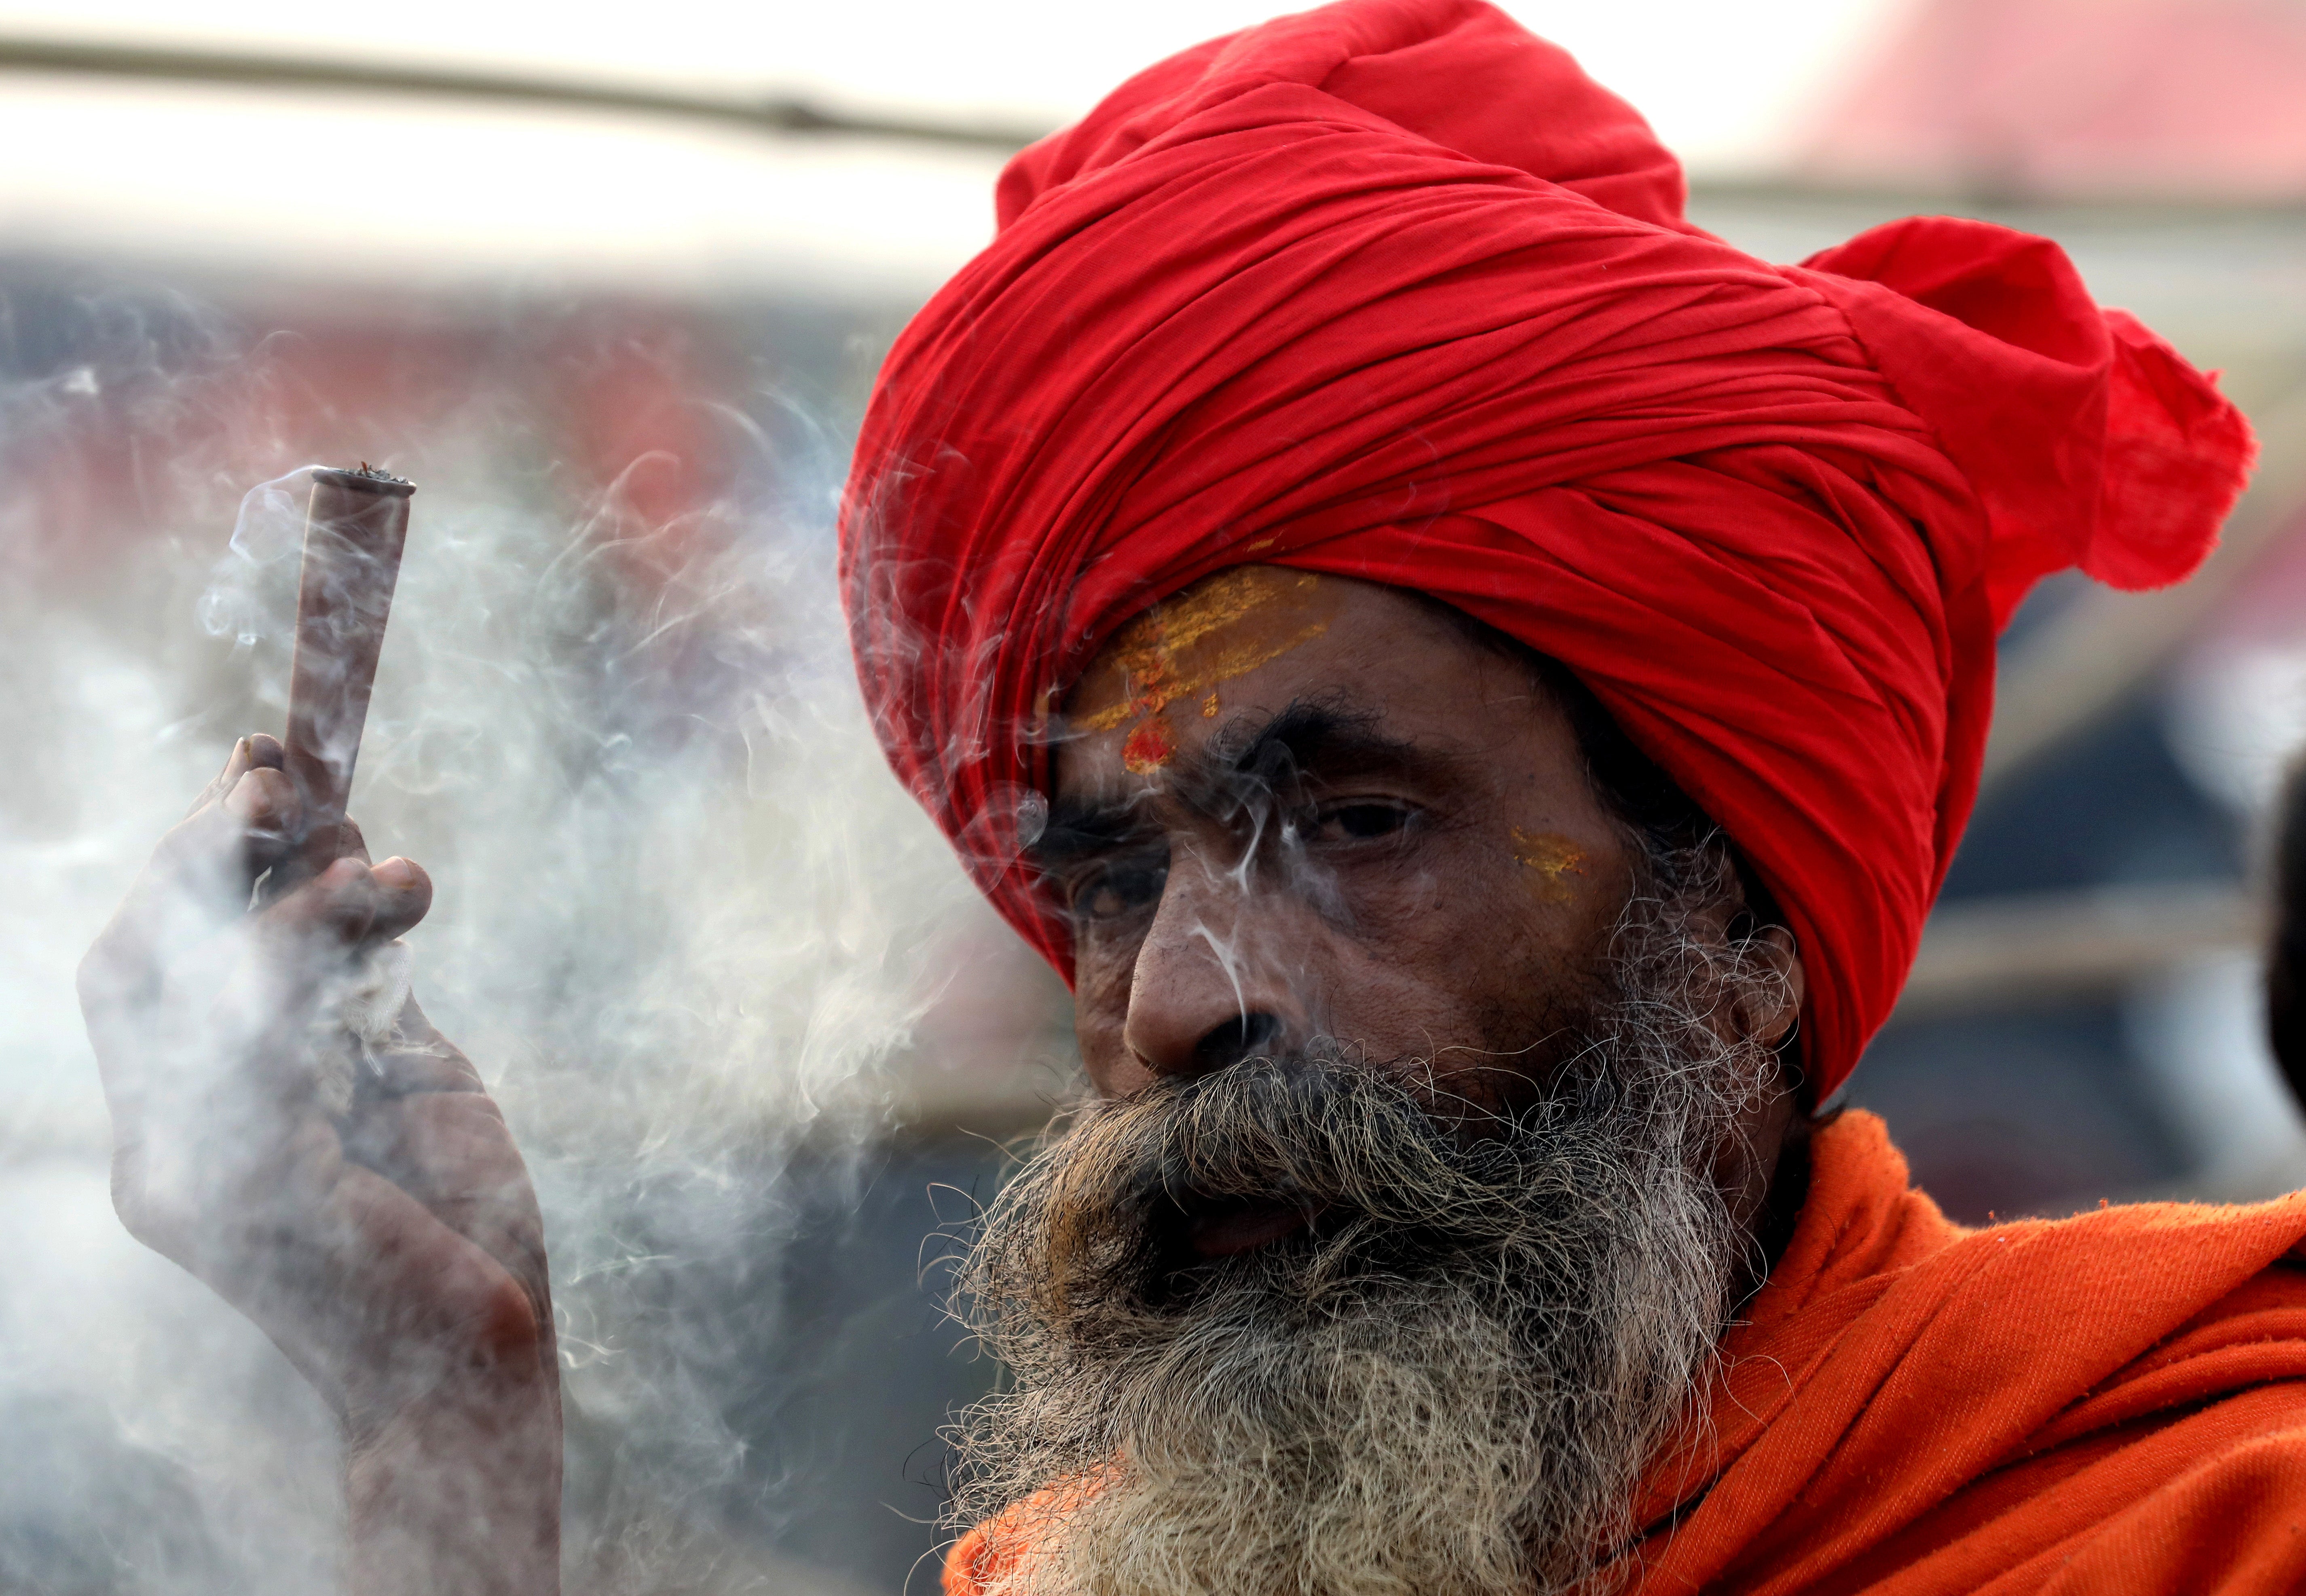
1246	1036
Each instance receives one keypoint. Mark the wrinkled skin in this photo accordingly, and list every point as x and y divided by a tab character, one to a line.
395	1253
1387	869
1400	880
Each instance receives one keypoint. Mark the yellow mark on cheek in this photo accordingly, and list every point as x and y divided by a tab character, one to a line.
1552	856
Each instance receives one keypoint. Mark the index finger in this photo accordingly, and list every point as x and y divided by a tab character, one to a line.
256	751
200	875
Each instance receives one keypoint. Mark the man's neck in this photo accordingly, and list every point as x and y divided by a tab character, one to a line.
1781	1210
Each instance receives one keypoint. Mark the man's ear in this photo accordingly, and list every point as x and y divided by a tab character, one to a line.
1773	1019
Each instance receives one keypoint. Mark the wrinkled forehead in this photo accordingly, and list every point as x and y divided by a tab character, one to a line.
1178	659
1221	659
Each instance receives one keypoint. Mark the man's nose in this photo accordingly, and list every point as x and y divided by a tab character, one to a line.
1210	986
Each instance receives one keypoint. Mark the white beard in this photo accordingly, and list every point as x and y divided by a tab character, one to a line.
1450	1389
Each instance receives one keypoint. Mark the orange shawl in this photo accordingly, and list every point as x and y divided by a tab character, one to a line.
2115	1403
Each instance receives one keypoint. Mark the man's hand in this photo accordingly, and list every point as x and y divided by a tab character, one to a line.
362	1203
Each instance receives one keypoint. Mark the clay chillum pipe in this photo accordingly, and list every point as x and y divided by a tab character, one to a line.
354	526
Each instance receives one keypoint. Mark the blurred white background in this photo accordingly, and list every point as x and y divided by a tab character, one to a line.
445	190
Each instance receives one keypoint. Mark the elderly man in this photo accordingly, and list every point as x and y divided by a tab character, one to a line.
1477	683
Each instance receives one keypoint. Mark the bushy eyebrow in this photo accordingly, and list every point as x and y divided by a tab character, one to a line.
1321	741
1327	736
1082	828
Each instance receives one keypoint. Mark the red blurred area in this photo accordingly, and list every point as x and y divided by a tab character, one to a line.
640	437
615	409
2149	98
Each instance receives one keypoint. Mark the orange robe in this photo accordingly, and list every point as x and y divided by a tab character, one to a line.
2111	1404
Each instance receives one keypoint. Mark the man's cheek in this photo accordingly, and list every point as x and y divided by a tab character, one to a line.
1439	957
1556	866
1101	988
1382	898
1439	903
1402	996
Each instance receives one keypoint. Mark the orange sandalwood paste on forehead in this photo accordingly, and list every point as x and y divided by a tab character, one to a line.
1186	647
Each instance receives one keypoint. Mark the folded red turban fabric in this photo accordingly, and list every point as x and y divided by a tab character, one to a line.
1391	290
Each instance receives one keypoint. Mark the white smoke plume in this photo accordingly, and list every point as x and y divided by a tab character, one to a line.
687	925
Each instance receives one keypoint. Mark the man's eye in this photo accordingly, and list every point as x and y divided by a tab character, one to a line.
1359	823
1119	890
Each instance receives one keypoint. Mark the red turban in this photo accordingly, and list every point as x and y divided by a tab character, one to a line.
1391	290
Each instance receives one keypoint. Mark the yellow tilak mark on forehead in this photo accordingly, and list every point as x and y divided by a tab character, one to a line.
1146	651
1552	856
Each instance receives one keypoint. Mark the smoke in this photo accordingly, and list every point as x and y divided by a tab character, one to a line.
687	925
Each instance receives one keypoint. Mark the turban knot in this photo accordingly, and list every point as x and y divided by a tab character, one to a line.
1392	290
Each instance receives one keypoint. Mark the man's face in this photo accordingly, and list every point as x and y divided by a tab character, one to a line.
1433	1111
1290	805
